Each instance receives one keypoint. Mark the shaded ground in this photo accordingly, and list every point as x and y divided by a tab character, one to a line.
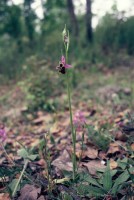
104	97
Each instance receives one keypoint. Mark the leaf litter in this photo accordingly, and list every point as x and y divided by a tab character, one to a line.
92	157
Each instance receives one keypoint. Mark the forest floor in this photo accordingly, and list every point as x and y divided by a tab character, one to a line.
105	97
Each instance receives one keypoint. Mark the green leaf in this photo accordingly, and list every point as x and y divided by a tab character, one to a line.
107	179
131	173
52	139
41	144
113	172
13	184
95	191
92	181
131	170
123	163
101	170
120	180
32	157
67	197
22	153
87	190
26	155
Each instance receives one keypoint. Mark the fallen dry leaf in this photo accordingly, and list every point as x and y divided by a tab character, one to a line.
54	128
94	165
4	179
41	162
120	136
121	114
35	142
40	113
113	164
41	198
90	153
29	192
4	196
117	120
66	122
113	148
102	155
132	146
63	162
46	118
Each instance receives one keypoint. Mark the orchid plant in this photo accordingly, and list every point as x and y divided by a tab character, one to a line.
63	68
79	120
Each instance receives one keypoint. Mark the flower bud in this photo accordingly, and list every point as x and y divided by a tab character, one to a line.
65	34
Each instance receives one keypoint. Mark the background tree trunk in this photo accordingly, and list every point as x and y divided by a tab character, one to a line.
43	20
29	19
73	17
89	32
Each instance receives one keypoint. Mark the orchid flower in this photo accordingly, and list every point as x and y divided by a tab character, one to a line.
63	61
63	65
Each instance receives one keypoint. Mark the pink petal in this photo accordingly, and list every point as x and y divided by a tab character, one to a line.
68	66
2	135
63	60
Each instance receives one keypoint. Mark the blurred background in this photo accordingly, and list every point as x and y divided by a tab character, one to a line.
101	53
101	31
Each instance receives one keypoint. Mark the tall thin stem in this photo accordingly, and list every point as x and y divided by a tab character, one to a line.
71	121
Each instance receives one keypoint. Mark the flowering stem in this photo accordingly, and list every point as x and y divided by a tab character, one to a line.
71	122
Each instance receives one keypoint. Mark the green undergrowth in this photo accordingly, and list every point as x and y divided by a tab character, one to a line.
43	89
112	183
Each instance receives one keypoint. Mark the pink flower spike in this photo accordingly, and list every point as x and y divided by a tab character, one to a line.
79	121
68	66
63	60
2	135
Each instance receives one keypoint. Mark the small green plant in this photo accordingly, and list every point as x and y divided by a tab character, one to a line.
66	196
40	93
128	127
109	183
27	156
99	137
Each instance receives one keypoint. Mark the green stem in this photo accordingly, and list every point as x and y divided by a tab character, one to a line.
82	148
71	122
47	158
7	156
16	186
